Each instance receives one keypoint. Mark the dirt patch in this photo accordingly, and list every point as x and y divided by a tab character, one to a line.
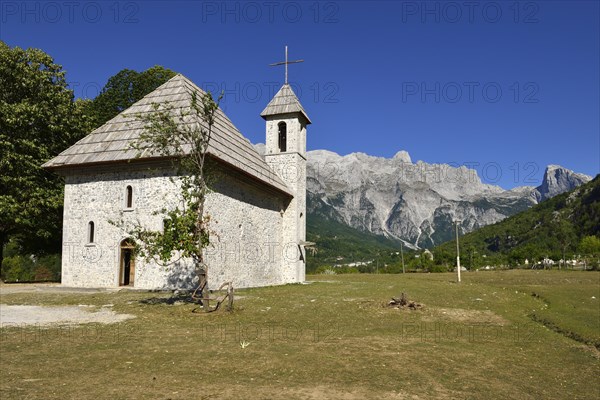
9	288
318	392
466	316
64	315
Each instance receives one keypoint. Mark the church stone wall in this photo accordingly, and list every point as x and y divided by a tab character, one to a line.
291	168
248	246
248	242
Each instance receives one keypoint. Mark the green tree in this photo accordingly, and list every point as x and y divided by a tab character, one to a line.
38	119
566	237
590	247
123	89
168	133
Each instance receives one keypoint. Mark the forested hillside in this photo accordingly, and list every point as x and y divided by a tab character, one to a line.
336	243
566	226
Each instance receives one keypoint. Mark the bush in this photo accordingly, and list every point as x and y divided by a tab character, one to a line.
18	268
48	268
393	269
438	268
366	269
325	270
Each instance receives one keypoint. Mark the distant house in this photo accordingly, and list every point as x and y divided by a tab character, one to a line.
548	261
257	204
428	254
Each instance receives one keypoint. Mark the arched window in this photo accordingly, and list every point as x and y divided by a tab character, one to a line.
129	197
91	232
282	137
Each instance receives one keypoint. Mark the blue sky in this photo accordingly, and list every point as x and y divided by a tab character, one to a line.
507	87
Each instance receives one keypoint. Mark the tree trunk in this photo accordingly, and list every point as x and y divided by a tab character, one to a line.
201	267
204	289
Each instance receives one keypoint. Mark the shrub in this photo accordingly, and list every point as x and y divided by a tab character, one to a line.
18	268
437	268
325	270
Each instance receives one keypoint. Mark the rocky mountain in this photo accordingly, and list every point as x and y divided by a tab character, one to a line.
558	180
416	202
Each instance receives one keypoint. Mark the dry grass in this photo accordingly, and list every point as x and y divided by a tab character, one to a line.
331	339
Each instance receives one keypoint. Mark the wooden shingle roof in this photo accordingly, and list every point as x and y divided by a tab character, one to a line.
284	102
110	143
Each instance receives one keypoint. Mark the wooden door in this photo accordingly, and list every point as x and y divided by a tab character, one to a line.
127	264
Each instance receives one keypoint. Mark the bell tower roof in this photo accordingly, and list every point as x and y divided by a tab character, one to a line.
285	102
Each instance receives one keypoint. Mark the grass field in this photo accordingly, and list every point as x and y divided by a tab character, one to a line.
487	337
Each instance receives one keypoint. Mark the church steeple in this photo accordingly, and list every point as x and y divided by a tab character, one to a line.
286	123
285	152
286	118
285	102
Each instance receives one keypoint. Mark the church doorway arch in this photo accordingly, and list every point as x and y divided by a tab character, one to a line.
127	264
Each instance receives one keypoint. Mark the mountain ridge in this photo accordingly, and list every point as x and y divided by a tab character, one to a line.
416	203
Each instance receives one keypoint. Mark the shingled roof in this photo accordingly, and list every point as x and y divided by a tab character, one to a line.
284	102
110	143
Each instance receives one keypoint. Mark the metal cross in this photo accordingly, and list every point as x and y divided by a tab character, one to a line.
286	62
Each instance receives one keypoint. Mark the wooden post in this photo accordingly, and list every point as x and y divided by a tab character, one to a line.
457	253
402	255
230	294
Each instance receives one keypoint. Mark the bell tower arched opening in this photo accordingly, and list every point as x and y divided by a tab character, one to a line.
282	135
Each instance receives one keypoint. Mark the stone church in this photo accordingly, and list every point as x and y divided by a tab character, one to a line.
257	204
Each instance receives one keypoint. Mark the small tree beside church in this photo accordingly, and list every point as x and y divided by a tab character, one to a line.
184	137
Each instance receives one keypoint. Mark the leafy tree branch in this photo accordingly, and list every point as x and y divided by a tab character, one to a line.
183	136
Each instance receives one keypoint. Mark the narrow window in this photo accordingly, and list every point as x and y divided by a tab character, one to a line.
91	232
282	137
129	203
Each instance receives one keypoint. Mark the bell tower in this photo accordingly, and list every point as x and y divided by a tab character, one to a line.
286	123
285	152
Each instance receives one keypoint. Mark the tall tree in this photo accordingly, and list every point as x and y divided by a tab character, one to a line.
182	136
38	119
566	237
125	88
589	247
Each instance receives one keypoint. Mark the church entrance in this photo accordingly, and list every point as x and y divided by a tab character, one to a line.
127	270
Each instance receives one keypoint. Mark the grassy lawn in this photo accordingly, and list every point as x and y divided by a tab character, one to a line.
487	337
